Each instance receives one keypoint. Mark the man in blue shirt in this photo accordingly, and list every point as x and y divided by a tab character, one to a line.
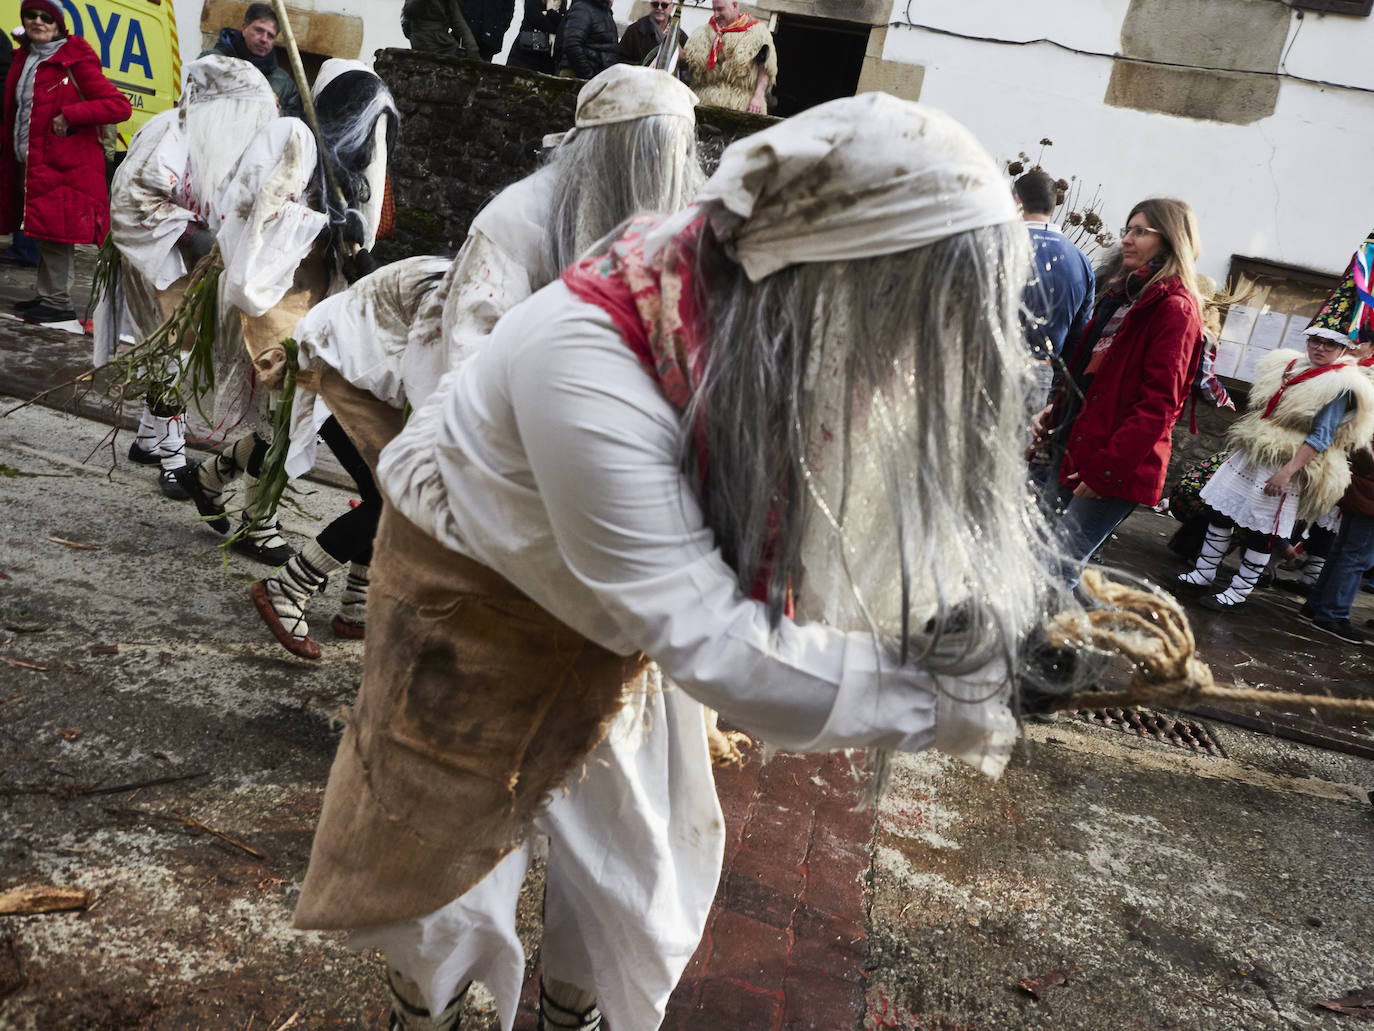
1058	300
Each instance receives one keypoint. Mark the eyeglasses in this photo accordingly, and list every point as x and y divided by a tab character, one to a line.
1324	342
659	5
43	16
1126	231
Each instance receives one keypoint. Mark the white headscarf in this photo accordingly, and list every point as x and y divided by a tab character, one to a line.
855	178
624	92
221	91
331	70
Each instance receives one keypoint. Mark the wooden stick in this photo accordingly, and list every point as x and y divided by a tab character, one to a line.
293	55
192	822
117	788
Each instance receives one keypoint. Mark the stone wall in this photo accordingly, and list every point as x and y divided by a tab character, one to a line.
469	129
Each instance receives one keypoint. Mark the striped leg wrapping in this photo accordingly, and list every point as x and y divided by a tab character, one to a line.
565	1007
1213	550
291	589
407	1007
1251	566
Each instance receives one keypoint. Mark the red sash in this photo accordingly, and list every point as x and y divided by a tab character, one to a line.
741	24
1312	373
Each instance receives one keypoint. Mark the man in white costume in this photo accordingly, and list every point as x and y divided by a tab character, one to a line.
387	341
293	225
159	219
809	385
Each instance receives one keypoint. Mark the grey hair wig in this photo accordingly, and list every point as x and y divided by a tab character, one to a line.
922	358
348	110
606	174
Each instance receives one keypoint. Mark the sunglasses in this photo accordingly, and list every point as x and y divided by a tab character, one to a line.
658	5
43	16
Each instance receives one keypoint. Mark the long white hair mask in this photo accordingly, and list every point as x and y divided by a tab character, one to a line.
632	150
225	103
865	392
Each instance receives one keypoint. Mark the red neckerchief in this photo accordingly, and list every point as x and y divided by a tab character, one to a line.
741	24
654	305
1285	383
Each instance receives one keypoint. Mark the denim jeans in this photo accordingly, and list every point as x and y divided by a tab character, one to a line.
1353	553
1086	523
24	247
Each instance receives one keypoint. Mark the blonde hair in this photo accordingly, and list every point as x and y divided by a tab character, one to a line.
1177	226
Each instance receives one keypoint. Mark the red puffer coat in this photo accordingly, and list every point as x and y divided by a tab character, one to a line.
1120	443
67	200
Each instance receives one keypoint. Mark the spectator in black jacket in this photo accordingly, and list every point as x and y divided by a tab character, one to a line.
489	20
533	48
643	38
590	42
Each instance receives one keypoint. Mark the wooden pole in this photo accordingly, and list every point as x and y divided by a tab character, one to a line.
293	55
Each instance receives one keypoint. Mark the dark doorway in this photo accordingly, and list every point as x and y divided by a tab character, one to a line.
819	59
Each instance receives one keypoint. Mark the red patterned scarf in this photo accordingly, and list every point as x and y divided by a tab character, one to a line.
653	302
741	24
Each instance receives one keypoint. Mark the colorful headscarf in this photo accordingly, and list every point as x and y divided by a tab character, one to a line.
1347	317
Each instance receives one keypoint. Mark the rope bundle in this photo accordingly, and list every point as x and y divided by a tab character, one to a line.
1151	630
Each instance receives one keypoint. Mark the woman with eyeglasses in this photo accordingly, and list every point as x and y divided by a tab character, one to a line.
52	165
1113	415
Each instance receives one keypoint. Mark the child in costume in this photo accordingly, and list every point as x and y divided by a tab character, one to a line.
1289	459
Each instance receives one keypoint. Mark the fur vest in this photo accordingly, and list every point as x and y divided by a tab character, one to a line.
731	83
1272	442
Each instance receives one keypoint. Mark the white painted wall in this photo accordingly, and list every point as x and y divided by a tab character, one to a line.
1293	187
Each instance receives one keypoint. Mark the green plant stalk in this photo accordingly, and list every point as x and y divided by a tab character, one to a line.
272	478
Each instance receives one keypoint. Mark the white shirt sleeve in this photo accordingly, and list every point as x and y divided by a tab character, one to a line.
602	445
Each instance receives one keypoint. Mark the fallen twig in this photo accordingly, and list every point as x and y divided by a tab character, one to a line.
41	898
75	544
192	822
117	788
24	665
290	1021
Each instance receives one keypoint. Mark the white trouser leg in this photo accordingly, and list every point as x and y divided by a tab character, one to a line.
635	850
471	939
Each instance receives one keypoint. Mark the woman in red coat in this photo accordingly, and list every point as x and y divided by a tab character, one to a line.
1128	380
52	167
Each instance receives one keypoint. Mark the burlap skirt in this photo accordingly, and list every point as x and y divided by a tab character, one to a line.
369	423
476	705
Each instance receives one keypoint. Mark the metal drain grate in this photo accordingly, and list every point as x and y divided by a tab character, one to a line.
1166	729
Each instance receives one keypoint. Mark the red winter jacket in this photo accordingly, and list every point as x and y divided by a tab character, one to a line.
1120	443
63	197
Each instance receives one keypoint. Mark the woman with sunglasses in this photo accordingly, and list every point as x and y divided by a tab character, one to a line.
1114	413
52	165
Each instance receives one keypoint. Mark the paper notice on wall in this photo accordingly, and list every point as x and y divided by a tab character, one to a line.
1228	358
1295	336
1268	331
1239	321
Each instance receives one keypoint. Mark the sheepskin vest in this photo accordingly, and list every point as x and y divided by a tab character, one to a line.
1273	441
735	77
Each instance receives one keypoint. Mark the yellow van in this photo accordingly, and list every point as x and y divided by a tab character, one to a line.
137	44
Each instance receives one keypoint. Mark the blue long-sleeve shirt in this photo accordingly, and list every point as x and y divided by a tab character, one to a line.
1058	299
1324	423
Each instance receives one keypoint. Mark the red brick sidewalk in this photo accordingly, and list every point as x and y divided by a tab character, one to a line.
784	946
